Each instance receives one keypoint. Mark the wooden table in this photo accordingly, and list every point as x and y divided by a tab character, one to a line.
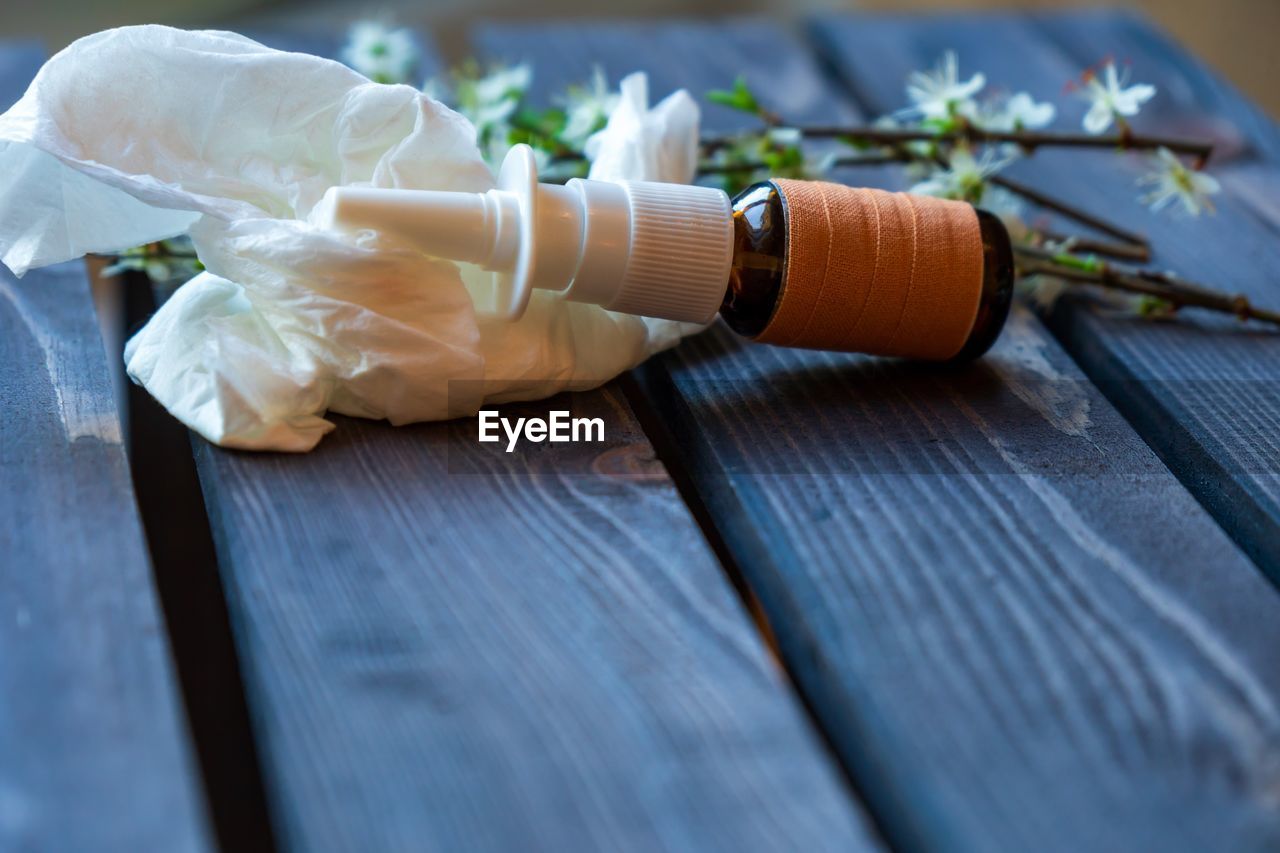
803	601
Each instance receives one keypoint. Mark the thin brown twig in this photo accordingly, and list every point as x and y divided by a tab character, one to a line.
1132	245
1029	140
1050	203
708	168
1162	285
1089	245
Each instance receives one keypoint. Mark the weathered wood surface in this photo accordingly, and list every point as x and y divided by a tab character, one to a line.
1205	391
1220	383
93	748
1015	625
448	647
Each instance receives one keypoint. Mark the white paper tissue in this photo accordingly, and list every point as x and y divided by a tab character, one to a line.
137	134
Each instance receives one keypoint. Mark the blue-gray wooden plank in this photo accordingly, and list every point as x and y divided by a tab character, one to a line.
447	649
1215	417
93	748
1015	625
1205	391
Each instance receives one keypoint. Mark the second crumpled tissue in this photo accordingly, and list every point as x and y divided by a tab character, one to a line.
142	133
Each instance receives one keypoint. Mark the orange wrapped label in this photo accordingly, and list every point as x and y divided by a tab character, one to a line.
877	272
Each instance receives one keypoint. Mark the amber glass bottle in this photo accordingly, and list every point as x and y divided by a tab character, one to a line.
759	271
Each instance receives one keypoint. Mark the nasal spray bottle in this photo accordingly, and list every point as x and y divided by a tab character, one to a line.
786	262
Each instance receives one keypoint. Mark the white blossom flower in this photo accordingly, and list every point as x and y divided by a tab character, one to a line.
587	108
940	93
1005	114
381	53
965	176
503	83
1172	181
785	135
489	102
492	99
1025	112
1110	99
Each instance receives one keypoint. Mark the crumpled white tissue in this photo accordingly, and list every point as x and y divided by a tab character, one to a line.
142	133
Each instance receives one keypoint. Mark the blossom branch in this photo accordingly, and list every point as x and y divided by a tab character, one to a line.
1131	246
1138	245
1028	140
1178	292
1088	245
728	168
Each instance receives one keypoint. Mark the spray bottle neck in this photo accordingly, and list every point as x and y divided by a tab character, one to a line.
658	250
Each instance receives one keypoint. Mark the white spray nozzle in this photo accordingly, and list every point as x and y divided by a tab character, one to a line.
658	250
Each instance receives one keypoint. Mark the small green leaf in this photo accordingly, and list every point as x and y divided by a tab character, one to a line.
1088	263
548	122
1155	307
785	162
723	98
738	98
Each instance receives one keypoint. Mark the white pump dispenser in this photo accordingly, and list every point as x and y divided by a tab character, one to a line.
657	250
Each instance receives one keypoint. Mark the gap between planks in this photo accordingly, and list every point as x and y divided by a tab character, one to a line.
184	565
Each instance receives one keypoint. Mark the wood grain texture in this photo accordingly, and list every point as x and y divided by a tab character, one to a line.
1016	626
1203	391
93	748
445	652
450	647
